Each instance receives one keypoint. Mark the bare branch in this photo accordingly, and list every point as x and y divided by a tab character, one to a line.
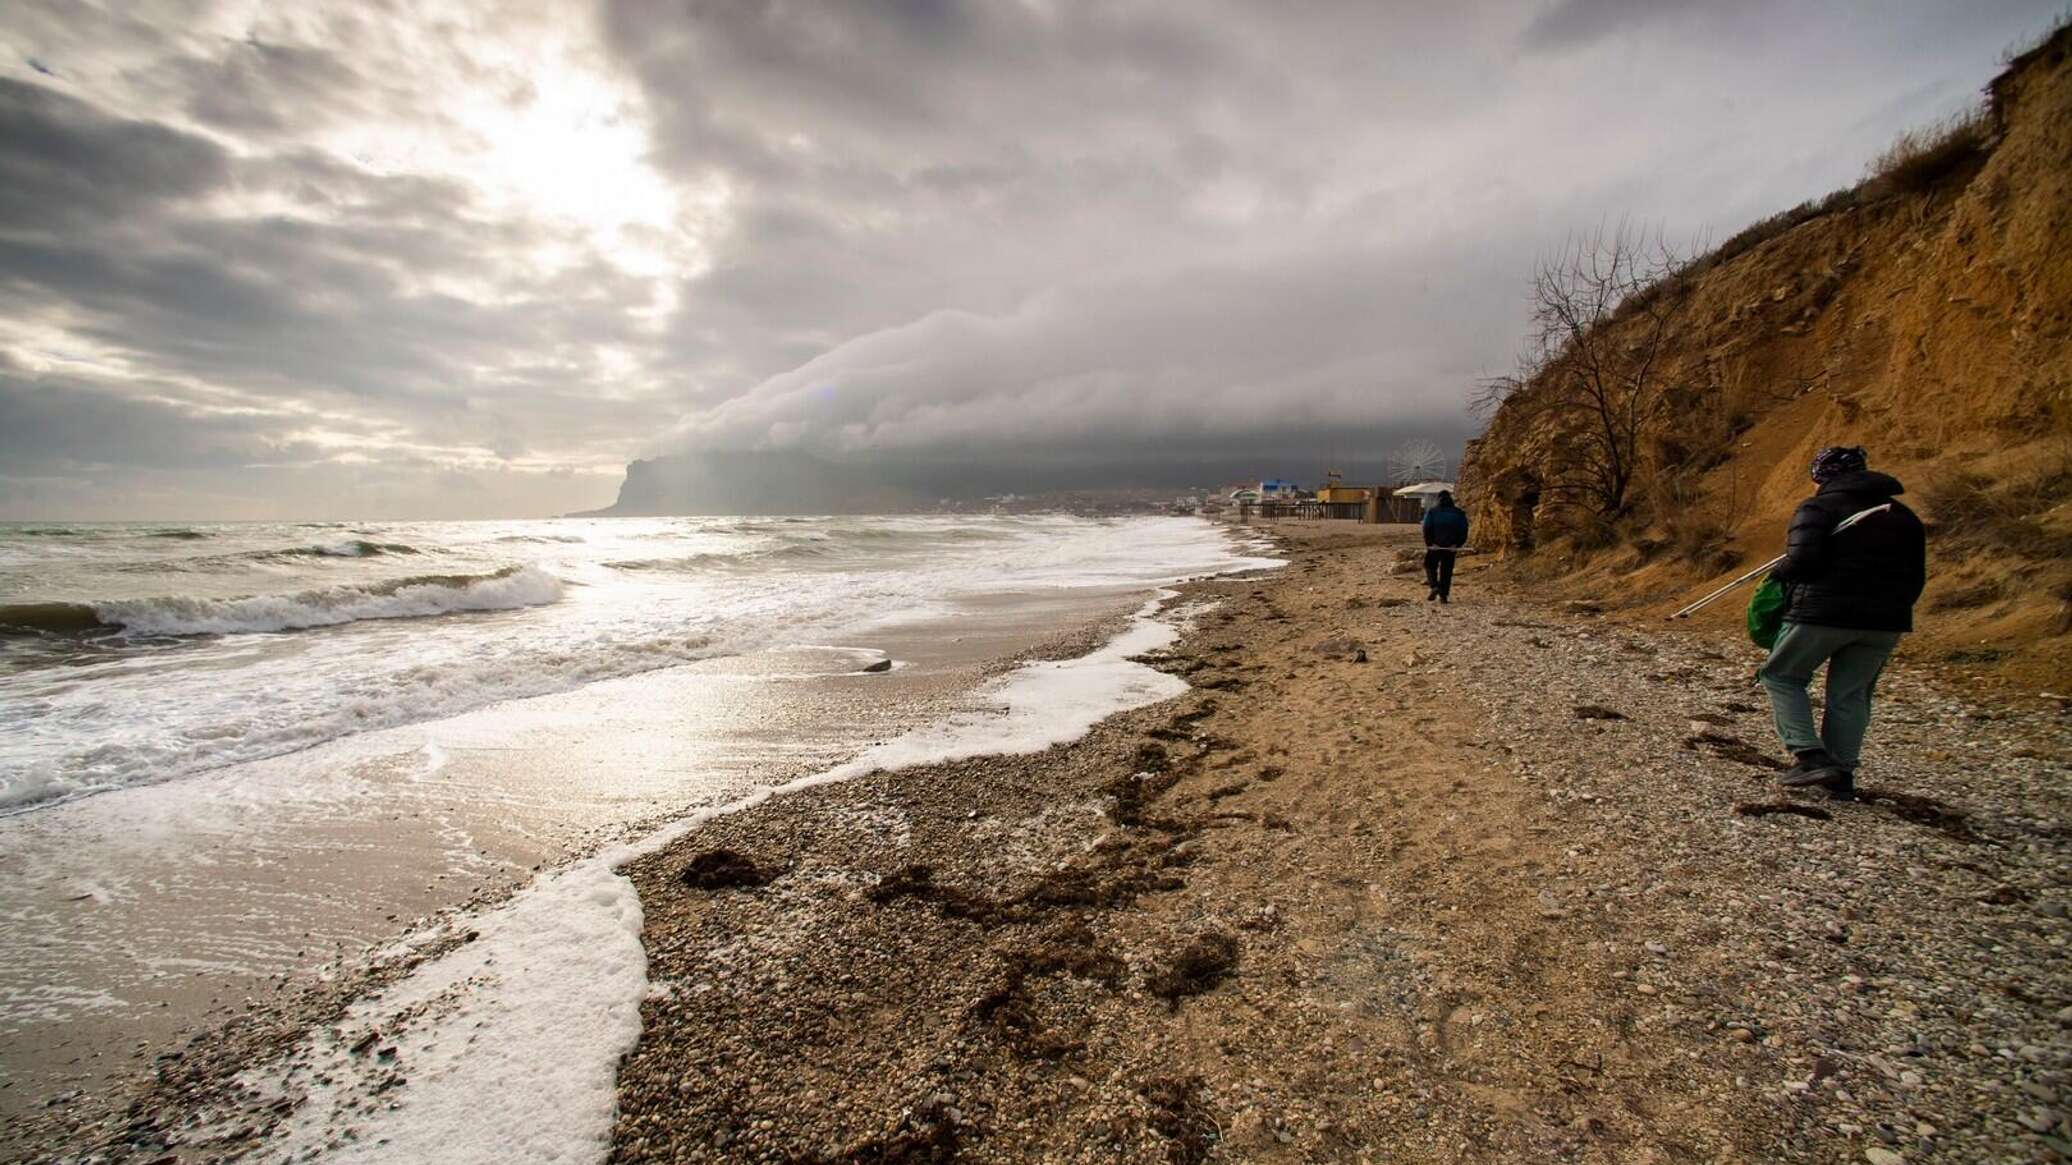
1604	388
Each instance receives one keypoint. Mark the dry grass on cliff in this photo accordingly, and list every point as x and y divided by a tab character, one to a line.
1973	512
1921	159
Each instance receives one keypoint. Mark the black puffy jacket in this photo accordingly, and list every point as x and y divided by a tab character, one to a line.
1866	577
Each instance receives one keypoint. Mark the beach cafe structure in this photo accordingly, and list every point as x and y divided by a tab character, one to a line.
1339	500
1425	493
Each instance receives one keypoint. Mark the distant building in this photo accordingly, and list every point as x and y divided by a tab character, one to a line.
1335	492
1274	489
1339	500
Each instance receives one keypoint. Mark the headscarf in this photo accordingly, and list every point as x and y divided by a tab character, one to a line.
1836	460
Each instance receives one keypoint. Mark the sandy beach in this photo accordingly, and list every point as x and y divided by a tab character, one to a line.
1517	887
1389	882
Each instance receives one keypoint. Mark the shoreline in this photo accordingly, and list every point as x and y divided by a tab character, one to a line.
1406	909
939	662
175	1035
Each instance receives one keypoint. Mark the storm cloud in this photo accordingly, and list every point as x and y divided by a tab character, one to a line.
469	258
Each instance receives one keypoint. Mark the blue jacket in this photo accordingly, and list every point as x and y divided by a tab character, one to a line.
1446	526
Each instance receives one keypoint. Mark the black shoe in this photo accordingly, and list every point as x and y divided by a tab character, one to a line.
1433	595
1445	598
1842	788
1814	767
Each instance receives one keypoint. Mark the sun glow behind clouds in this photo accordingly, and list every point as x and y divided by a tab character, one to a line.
479	161
533	123
516	102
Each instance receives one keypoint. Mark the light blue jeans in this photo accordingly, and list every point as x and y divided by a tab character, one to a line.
1853	658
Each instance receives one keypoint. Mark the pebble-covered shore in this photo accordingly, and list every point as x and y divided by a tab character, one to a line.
1395	882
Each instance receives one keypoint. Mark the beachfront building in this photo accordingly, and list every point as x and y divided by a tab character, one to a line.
1335	499
1426	493
1274	489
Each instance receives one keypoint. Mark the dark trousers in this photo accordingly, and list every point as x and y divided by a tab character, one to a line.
1439	569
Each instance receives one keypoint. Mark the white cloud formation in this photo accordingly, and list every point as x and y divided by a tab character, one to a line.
468	256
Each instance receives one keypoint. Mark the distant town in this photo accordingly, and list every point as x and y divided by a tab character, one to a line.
1270	497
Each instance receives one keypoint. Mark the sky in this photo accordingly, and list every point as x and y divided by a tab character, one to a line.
450	259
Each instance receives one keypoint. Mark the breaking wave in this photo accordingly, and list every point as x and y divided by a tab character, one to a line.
350	548
48	618
404	598
797	552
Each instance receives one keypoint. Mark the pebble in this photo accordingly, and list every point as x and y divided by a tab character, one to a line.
1877	1156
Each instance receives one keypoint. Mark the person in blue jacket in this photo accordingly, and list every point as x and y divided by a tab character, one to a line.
1445	532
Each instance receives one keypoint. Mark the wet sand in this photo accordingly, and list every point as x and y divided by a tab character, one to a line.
139	919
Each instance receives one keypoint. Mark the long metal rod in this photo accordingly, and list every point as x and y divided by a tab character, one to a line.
1840	526
1707	600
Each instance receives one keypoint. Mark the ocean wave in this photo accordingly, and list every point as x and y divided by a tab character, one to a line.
151	752
182	535
350	548
565	538
404	598
687	562
243	559
796	552
48	618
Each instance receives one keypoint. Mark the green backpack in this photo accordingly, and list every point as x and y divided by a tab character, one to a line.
1766	613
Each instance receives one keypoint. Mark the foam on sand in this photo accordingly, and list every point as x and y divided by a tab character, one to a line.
511	1042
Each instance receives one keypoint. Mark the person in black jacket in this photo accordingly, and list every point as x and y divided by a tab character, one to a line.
1445	532
1850	596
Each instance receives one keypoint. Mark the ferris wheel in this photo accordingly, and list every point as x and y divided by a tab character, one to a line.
1416	461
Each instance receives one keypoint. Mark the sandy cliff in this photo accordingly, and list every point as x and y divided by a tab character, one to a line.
1925	314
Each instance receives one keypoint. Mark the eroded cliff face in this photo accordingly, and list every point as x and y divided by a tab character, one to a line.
1931	324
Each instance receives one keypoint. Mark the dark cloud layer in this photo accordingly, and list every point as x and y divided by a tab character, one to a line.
469	256
65	166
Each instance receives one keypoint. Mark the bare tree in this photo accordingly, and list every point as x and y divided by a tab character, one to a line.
1604	312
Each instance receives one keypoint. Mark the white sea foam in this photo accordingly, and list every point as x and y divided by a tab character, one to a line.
513	1040
165	699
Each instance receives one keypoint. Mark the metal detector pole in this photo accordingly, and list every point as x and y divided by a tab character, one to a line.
1730	586
1840	526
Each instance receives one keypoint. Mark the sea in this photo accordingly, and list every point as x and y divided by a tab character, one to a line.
135	653
240	758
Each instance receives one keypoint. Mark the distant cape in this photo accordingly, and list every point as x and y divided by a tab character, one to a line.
752	483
